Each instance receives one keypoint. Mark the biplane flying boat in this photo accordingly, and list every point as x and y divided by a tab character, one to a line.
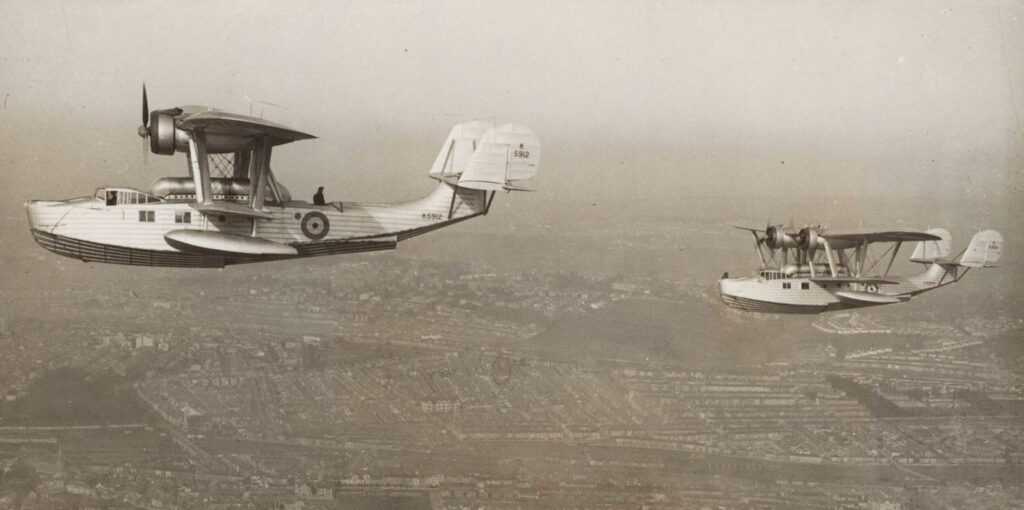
232	210
823	270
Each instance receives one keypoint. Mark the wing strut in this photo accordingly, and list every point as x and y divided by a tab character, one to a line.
200	162
451	206
861	254
893	258
258	175
757	246
828	255
274	189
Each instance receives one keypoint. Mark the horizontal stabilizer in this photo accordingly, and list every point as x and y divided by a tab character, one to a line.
205	242
867	298
230	208
984	251
852	279
506	154
510	187
934	250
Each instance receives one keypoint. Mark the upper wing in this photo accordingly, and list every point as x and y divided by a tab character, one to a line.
884	236
219	122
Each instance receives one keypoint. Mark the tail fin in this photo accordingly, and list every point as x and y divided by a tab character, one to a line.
457	150
506	155
932	251
984	251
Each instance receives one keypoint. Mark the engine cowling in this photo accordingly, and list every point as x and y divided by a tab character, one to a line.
775	238
164	137
161	133
808	239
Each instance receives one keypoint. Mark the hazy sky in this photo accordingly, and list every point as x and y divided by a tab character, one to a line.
631	99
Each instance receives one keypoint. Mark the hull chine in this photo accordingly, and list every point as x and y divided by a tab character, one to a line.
88	251
755	305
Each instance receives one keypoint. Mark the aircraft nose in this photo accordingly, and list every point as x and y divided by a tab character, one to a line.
39	213
727	291
724	285
31	209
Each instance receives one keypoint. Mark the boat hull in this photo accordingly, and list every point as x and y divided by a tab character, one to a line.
88	251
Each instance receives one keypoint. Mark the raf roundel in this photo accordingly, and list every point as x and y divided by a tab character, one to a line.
315	225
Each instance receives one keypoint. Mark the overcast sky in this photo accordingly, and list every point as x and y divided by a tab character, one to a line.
631	99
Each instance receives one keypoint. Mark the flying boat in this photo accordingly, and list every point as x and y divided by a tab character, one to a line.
231	209
814	269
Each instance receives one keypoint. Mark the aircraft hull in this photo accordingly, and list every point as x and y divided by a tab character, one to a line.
756	305
89	230
88	251
770	296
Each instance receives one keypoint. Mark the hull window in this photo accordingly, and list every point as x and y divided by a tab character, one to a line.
805	285
785	285
147	216
182	217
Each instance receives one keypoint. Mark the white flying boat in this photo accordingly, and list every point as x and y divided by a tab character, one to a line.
232	210
823	270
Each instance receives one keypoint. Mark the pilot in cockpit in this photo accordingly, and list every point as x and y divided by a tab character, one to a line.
318	198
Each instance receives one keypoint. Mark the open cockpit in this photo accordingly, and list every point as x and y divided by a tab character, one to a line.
125	196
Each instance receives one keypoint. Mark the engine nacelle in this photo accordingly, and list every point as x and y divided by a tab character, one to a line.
808	239
776	238
161	133
164	137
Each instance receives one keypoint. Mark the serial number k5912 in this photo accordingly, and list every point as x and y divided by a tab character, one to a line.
433	216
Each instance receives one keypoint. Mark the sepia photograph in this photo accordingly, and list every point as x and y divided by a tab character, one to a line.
484	254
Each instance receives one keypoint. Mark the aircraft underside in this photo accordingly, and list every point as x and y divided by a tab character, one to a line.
89	251
757	305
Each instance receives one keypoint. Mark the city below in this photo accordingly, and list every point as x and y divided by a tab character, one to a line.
408	381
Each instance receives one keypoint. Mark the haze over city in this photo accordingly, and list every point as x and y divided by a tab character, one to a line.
568	348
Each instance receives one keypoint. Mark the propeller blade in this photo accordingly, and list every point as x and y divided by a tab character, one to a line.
749	229
145	106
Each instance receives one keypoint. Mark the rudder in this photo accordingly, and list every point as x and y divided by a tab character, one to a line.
506	155
458	149
984	251
933	251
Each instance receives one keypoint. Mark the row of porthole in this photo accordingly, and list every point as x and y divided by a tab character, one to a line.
871	287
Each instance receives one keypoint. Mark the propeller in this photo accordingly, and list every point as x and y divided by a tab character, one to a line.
144	128
145	106
158	127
